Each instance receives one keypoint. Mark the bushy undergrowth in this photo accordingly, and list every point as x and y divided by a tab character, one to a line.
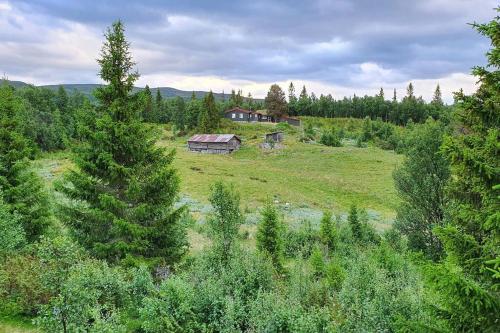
365	284
331	132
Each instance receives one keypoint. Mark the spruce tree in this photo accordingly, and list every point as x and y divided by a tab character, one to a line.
192	112
355	223
121	194
437	99
327	231
209	117
179	113
468	282
147	107
158	107
22	190
269	235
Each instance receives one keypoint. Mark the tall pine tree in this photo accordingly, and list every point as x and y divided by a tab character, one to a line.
123	191
468	283
209	117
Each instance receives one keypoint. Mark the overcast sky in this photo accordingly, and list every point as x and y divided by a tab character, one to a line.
339	47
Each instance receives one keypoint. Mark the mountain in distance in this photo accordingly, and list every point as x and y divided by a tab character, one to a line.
86	89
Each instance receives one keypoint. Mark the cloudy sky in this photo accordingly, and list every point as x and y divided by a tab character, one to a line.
339	46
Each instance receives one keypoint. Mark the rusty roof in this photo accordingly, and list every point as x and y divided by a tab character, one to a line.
211	138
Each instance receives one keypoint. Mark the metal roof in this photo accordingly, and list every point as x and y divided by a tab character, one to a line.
210	138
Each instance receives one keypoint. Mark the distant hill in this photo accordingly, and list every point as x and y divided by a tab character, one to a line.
86	89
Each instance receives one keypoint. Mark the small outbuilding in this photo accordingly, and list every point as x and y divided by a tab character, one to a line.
274	137
214	143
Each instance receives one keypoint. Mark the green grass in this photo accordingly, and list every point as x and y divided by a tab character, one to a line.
302	174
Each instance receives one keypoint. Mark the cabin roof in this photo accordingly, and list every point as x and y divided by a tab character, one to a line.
213	138
237	109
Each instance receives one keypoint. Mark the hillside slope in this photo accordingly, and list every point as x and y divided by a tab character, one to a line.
86	89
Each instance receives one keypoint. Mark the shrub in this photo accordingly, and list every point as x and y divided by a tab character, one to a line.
334	275
271	312
171	308
330	138
300	240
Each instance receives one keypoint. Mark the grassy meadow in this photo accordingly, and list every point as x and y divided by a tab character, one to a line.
303	178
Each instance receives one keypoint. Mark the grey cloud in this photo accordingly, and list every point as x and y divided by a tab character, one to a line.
265	41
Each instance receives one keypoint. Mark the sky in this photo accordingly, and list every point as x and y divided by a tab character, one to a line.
337	47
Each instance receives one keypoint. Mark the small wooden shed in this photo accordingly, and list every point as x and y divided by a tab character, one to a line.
214	143
274	137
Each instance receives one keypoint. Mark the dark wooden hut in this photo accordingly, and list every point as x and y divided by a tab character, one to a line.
214	143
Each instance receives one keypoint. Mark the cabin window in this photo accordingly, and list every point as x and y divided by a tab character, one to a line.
233	115
241	115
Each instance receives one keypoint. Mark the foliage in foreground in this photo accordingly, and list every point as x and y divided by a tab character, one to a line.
468	281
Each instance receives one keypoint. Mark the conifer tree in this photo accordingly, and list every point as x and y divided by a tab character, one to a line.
192	112
158	107
468	282
209	117
355	223
250	101
327	231
21	189
291	93
147	100
179	113
269	235
437	99
121	196
410	93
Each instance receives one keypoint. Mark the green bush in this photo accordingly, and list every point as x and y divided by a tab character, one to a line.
300	240
330	138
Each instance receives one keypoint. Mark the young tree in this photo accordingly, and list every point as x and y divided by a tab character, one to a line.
304	103
437	98
193	112
179	113
420	182
468	281
22	190
327	231
158	108
269	235
209	117
292	100
147	101
291	93
276	102
355	223
123	192
225	220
